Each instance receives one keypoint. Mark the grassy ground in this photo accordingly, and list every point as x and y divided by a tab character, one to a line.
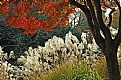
70	72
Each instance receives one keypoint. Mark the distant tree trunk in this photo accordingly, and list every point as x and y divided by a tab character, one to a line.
112	63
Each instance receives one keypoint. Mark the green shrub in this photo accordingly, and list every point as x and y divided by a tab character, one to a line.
67	72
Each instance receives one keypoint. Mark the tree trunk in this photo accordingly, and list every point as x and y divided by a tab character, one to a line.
112	63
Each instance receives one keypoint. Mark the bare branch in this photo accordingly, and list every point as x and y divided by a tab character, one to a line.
103	27
91	7
99	15
110	17
110	20
86	11
93	15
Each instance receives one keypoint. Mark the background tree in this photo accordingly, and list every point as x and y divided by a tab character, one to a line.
32	15
23	16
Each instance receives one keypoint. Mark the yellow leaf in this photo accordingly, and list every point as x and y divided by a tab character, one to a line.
0	3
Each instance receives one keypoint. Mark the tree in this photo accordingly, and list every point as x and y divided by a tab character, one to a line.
108	45
22	16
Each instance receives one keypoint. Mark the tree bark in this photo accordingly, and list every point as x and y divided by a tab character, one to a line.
112	63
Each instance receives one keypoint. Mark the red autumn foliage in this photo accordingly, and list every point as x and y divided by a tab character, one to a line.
22	17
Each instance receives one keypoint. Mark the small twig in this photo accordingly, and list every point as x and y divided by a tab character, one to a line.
110	17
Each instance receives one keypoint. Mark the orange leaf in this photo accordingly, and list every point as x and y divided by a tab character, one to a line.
30	31
6	9
31	5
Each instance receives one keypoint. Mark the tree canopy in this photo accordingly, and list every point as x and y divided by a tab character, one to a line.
32	15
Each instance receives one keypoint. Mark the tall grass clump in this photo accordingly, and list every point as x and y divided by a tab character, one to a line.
70	72
101	68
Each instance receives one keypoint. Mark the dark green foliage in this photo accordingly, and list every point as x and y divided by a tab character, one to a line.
11	7
13	39
41	16
2	18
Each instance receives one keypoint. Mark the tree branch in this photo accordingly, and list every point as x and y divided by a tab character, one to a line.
110	20
91	7
95	31
99	14
110	17
86	11
103	27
